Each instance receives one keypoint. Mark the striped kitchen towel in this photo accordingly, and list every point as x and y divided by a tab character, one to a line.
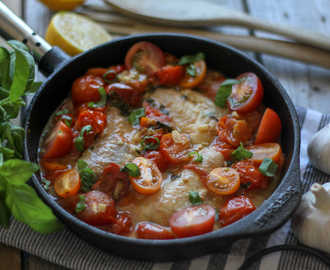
66	249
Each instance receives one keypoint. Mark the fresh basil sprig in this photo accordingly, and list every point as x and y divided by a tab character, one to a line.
199	157
190	59
81	204
132	169
268	167
135	116
150	146
224	92
86	174
79	141
194	198
241	153
62	112
67	120
101	102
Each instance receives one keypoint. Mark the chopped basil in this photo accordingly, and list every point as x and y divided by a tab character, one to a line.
102	101
163	125
86	174
110	72
199	157
184	97
224	92
63	112
268	167
241	153
191	70
135	116
81	204
150	146
216	218
121	105
190	59
67	120
79	141
151	102
91	104
163	110
194	198
46	183
132	169
175	176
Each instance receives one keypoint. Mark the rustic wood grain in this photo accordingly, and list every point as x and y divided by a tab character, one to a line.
10	258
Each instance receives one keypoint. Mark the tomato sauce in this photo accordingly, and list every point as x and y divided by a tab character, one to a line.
154	149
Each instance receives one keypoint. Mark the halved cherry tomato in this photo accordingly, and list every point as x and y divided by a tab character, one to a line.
235	209
170	59
147	230
194	220
188	81
200	171
270	127
211	83
85	88
94	118
99	210
170	75
80	107
123	223
250	175
150	179
223	181
175	153
52	175
59	142
224	148
125	92
262	150
69	204
64	117
145	57
157	157
113	182
146	122
68	183
51	165
135	79
101	71
247	95
156	114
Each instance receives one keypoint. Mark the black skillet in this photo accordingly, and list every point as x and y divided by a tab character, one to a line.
63	70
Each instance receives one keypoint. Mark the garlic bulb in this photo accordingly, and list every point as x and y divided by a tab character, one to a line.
311	222
318	150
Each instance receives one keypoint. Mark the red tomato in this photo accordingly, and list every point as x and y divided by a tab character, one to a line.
123	223
235	209
80	107
59	142
101	71
157	157
270	127
85	88
52	175
194	220
250	174
175	153
147	230
223	181
53	165
189	81
94	118
68	183
63	118
125	92
224	148
247	95
170	60
262	150
156	114
150	179
145	57
100	209
69	204
113	182
88	141
170	75
211	83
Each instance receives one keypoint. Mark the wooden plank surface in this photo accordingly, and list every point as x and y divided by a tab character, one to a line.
10	258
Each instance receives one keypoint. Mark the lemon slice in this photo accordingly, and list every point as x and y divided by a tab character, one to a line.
74	33
57	5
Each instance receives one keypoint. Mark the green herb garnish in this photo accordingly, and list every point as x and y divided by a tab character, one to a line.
86	174
199	157
194	198
79	141
46	183
149	145
241	153
191	70
135	116
63	112
268	167
132	169
190	59
224	92
67	120
81	204
101	102
113	75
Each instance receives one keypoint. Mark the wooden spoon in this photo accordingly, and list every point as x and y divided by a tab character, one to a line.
191	13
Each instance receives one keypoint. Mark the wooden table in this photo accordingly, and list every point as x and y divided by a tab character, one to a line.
307	85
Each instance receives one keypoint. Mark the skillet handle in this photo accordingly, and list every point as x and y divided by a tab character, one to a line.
12	27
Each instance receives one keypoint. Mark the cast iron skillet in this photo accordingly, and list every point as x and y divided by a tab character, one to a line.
266	219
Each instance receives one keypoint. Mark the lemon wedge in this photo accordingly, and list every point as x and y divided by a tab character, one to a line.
57	5
75	33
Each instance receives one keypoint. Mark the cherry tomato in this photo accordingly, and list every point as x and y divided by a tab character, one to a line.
59	142
88	141
250	175
99	210
270	127
69	204
223	181
64	117
101	71
52	175
123	223
189	81
80	107
68	183
85	88
235	209
94	118
53	165
150	179
211	83
157	157
201	172
247	95
170	60
224	148
194	220
136	80
113	182
145	57
146	122
262	150
170	75
125	92
175	153
156	114
147	230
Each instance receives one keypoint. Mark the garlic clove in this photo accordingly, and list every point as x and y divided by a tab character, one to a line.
311	222
318	150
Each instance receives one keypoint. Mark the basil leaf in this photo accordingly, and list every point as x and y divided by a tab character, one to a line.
163	125
132	169
46	183
79	141
150	146
67	120
6	79
113	74
81	204
103	99
5	214
216	218
268	167
135	116
86	174
224	92
241	153
191	70
194	198
63	112
34	88
190	59
199	157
